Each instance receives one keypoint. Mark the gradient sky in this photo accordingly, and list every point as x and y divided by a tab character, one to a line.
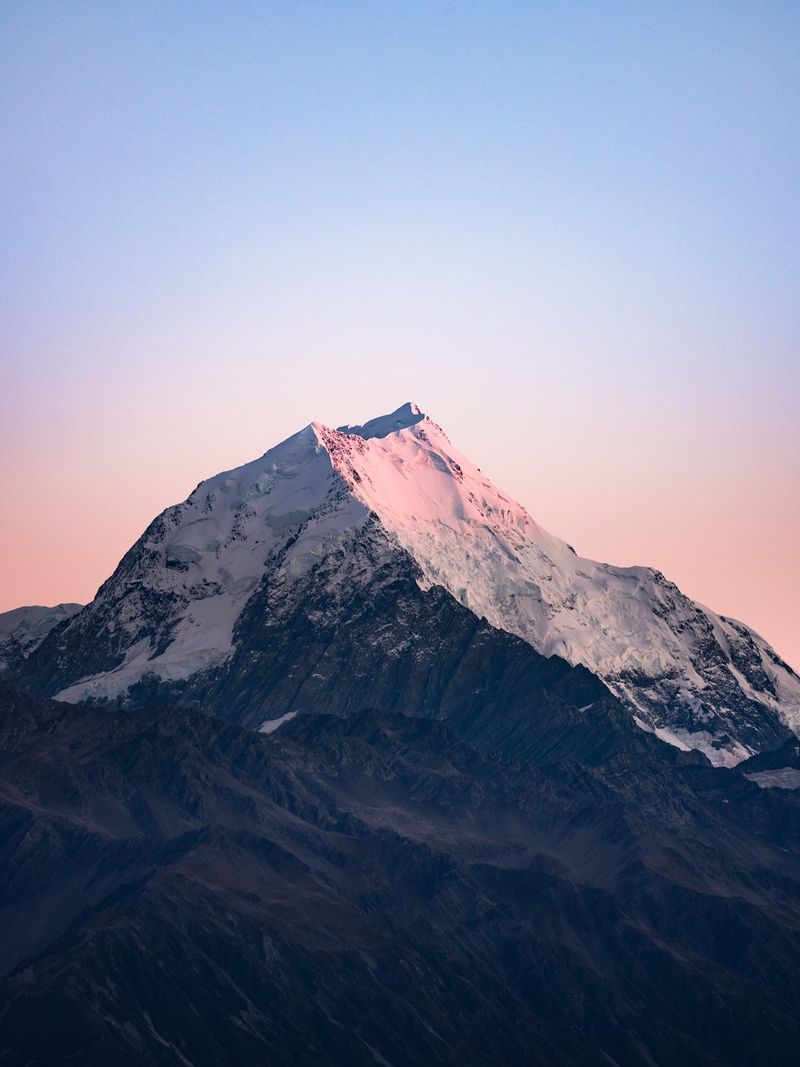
569	231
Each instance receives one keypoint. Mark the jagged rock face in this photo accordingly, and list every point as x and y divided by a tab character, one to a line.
356	631
208	579
23	629
371	889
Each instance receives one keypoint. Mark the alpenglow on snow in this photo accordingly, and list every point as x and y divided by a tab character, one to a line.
172	610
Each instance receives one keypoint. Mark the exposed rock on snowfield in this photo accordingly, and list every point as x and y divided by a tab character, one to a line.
23	629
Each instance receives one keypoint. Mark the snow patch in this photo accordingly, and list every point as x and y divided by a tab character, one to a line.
269	726
702	740
783	778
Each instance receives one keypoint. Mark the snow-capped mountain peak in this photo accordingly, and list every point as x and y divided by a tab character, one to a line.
405	416
173	605
23	629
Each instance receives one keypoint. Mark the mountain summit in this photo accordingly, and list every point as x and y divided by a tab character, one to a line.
308	534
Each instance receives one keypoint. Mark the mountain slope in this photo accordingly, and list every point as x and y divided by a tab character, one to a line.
394	495
23	629
374	890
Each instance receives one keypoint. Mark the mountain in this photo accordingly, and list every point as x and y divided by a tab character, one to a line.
298	579
23	629
378	889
